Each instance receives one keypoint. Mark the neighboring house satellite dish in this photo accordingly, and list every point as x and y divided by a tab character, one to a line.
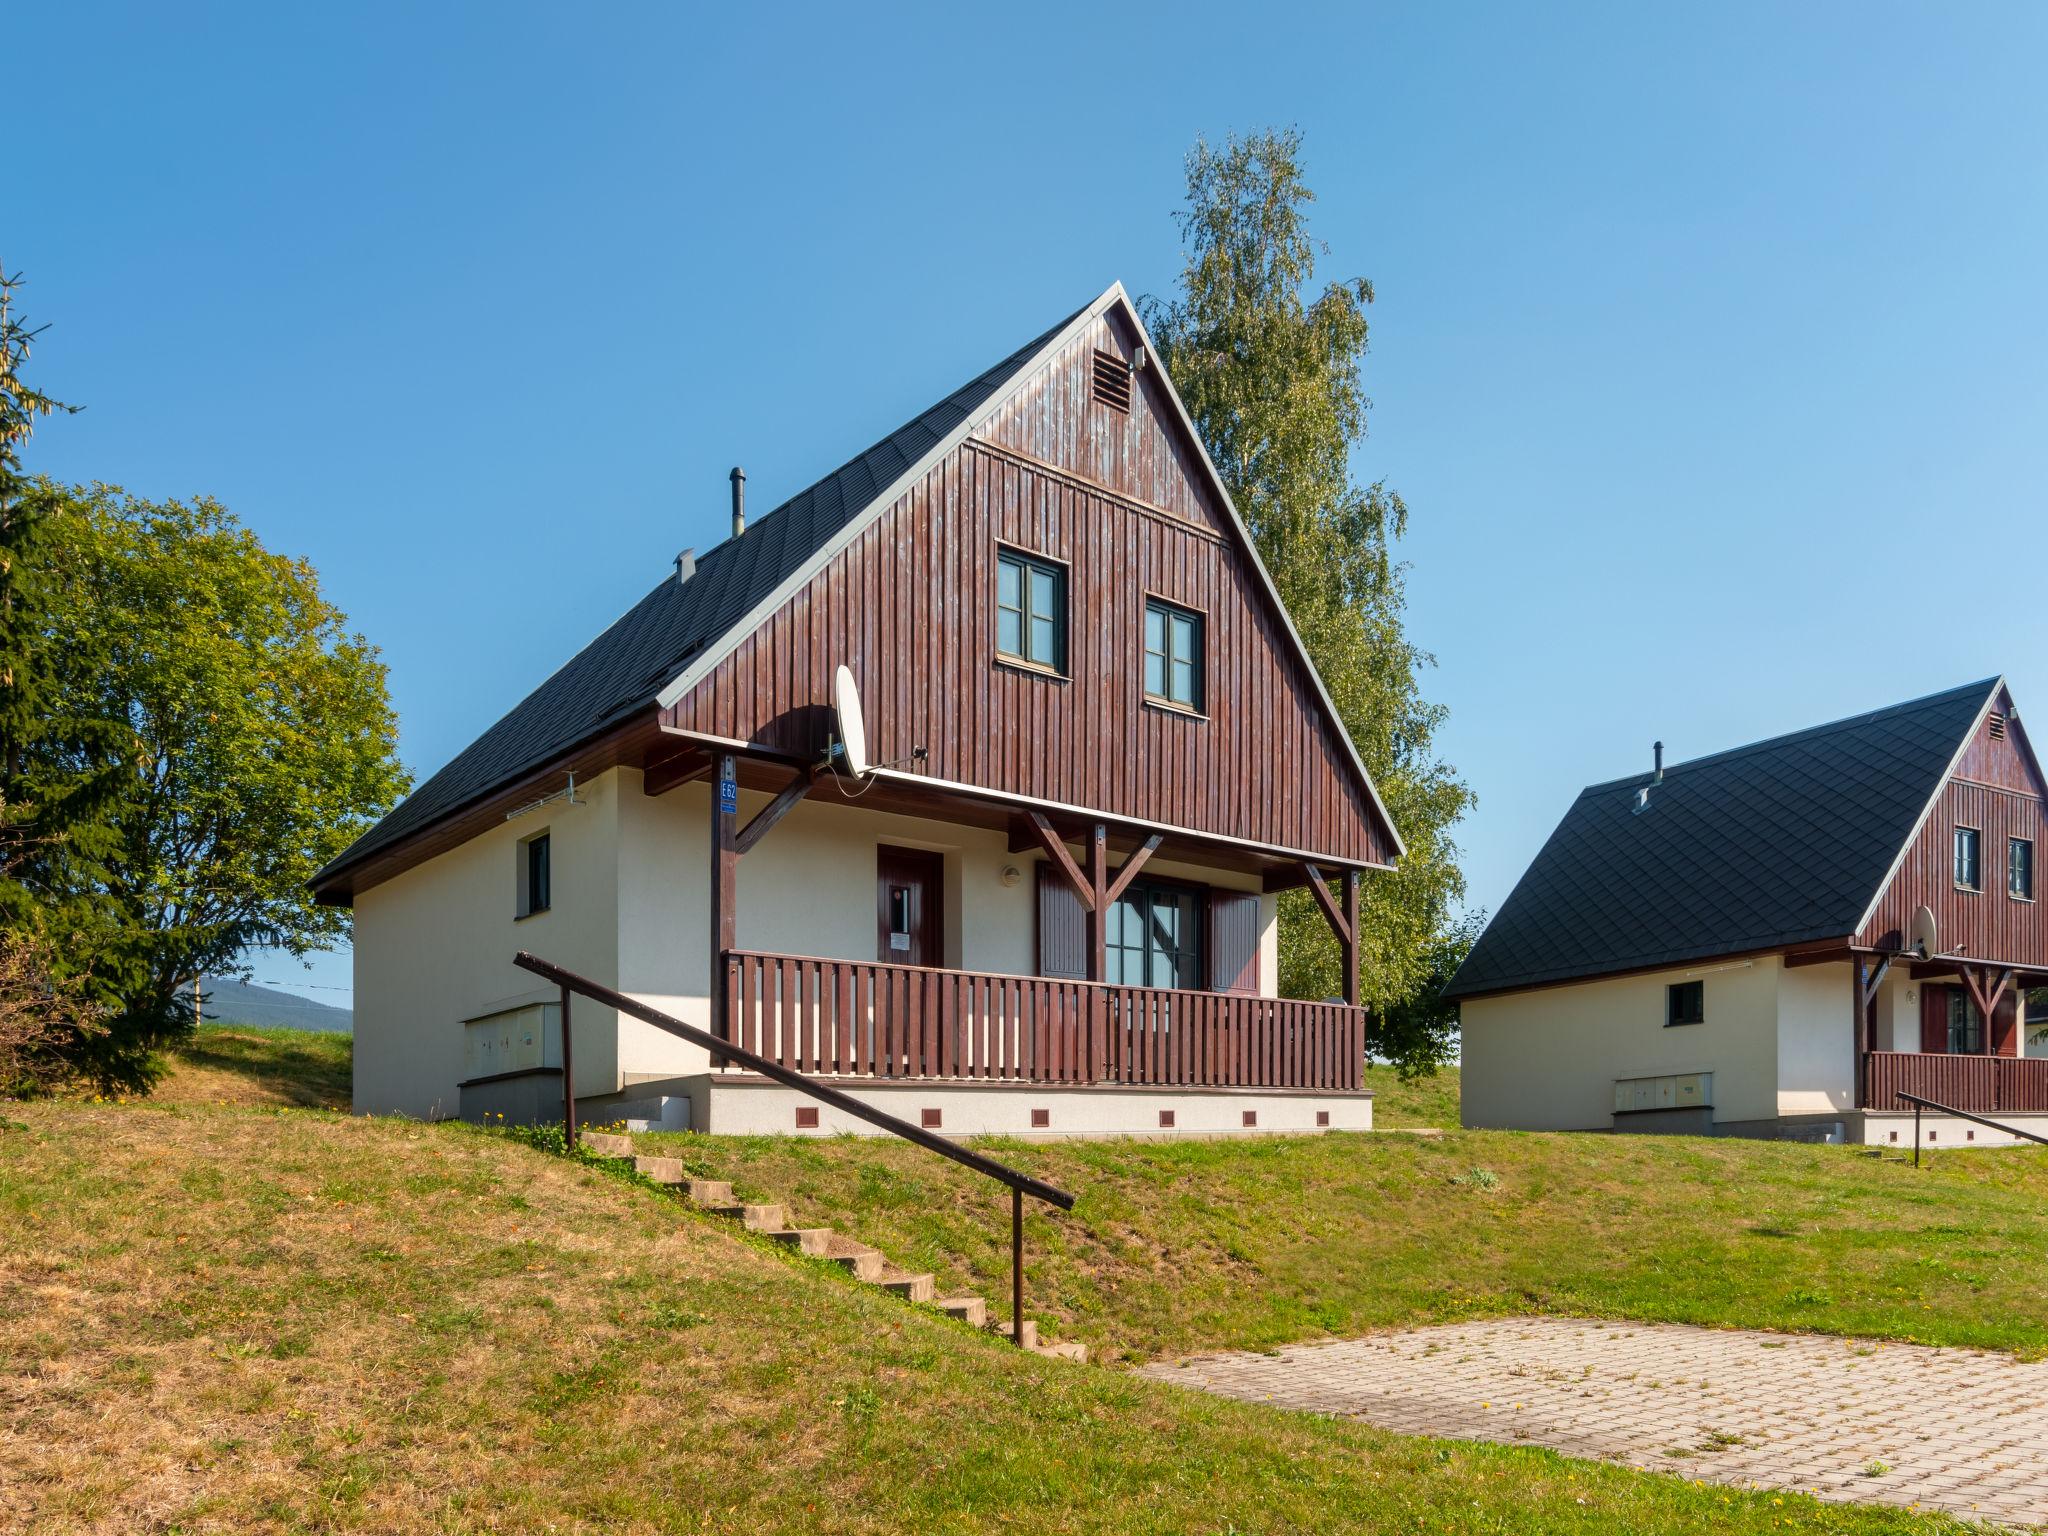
853	731
1926	937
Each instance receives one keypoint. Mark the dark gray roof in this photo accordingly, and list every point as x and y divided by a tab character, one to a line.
619	673
1782	842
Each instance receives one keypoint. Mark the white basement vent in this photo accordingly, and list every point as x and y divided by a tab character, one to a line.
1112	381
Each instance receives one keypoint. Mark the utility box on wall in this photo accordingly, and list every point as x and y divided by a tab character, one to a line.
516	1040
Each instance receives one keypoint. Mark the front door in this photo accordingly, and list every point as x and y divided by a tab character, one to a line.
909	898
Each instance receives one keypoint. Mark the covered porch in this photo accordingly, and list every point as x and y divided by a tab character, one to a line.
1951	1030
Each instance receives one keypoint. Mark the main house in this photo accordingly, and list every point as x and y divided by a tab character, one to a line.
1048	908
1779	940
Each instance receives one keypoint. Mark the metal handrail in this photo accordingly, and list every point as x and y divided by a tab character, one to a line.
1020	1184
1917	1102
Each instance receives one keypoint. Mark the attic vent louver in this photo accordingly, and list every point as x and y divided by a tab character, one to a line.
1997	726
1112	381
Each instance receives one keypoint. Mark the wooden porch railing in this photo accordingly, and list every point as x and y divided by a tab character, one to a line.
1984	1084
861	1018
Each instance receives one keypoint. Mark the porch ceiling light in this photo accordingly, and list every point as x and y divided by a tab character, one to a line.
1011	874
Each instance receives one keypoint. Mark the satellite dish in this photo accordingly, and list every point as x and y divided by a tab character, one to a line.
1926	937
853	731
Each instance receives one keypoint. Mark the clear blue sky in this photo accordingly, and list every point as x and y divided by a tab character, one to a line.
1711	350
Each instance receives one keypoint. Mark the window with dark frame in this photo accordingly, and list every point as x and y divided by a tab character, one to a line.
1969	866
1965	1024
1155	937
1031	610
2019	868
1173	655
535	883
1685	1002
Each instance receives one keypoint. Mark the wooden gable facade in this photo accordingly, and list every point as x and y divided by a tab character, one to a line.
1088	465
1996	788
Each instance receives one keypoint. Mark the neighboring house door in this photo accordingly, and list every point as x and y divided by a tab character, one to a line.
909	898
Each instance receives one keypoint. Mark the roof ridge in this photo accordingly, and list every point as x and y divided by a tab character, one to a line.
1804	733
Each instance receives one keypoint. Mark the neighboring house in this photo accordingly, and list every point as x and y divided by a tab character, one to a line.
1049	910
1729	944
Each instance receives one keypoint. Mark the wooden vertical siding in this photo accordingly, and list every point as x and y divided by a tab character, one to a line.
1987	924
909	606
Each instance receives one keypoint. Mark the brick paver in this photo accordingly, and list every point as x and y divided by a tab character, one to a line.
1949	1429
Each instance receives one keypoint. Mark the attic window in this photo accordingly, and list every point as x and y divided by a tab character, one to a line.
1996	724
1112	381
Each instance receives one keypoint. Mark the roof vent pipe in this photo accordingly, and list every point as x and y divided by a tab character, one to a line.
686	566
739	501
1658	776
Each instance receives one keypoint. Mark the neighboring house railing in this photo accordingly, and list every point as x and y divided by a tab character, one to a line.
1980	1084
867	1019
1019	1184
1919	1104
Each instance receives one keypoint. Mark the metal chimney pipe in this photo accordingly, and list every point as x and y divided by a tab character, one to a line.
686	566
739	501
1658	776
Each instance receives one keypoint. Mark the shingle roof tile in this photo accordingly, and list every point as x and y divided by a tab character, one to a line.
1781	842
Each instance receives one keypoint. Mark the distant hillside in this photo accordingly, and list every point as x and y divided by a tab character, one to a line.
236	1002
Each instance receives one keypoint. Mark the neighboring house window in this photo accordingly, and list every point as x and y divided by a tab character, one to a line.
2019	868
1965	1024
1685	1002
536	892
1173	655
1031	610
1969	875
1155	937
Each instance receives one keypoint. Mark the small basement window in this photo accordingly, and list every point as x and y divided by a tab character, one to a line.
1685	1002
1031	610
1969	861
1112	381
536	882
2019	868
1173	655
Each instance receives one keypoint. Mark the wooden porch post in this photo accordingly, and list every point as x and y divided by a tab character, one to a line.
725	862
1098	951
1350	937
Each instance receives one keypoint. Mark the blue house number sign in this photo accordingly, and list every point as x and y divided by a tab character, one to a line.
729	796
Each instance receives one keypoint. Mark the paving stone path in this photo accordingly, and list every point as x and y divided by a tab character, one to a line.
1949	1429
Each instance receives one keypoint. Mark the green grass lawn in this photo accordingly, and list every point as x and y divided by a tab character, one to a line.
1182	1246
249	1065
1427	1101
234	1319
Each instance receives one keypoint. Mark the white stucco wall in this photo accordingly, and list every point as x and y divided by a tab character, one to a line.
434	946
631	908
1548	1059
1816	1040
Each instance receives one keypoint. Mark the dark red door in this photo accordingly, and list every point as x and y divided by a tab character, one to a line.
909	906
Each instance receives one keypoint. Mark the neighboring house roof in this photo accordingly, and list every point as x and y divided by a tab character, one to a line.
1782	842
621	672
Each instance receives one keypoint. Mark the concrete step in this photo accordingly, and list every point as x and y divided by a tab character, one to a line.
857	1259
605	1144
1030	1331
710	1191
902	1282
663	1170
1074	1352
755	1218
971	1310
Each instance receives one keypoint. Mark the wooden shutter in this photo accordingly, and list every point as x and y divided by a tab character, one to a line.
1233	941
1934	1019
1062	927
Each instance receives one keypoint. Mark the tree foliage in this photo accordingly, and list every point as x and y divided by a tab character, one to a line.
1272	378
262	741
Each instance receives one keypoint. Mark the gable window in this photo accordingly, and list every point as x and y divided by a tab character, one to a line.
1155	937
1173	655
1965	1024
1685	1002
2019	868
1969	870
1031	610
536	892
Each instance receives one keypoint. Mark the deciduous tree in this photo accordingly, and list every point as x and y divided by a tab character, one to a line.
1272	376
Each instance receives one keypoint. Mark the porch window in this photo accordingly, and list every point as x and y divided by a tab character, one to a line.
1969	874
1965	1024
1031	610
2019	868
1173	655
1155	937
1685	1002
